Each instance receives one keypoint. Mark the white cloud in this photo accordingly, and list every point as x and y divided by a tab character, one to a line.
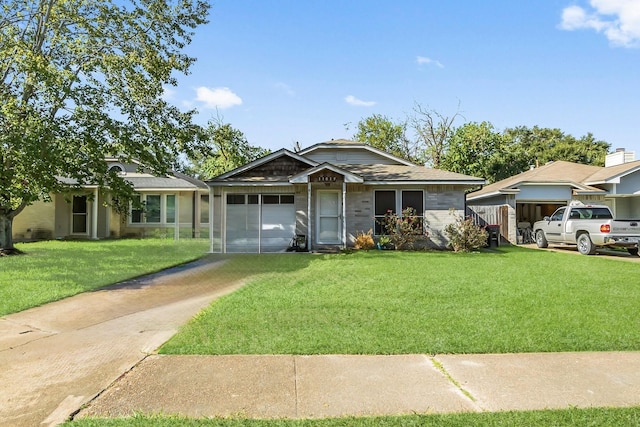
428	61
219	97
618	20
167	93
352	100
285	88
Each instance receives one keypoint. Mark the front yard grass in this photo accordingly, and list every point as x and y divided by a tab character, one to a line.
511	300
53	270
613	417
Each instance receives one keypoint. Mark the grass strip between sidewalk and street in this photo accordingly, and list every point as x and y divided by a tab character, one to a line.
613	417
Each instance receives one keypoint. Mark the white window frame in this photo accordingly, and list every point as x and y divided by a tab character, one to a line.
163	210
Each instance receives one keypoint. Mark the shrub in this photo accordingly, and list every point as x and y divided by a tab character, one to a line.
364	240
464	235
404	230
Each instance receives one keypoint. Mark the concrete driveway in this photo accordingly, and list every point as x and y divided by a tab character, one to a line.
606	253
57	357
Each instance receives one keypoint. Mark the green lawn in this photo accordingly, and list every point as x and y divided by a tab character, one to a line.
510	300
53	270
513	300
613	417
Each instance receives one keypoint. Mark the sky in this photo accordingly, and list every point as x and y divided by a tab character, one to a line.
307	71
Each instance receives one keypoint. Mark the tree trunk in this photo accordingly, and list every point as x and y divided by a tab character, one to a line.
6	236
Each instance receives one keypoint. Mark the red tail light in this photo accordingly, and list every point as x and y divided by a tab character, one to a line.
605	228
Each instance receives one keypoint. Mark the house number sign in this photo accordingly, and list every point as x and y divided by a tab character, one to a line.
327	178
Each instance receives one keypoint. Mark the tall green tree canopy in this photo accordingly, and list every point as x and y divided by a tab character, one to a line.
541	145
479	150
383	133
224	148
81	79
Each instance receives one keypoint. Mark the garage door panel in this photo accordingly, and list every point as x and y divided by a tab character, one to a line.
278	227
252	228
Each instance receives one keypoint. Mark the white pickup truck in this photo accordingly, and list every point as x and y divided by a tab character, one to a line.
589	227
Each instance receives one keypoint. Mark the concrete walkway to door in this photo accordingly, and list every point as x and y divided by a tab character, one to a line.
57	357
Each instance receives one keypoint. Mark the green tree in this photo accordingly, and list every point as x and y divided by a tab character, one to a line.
541	145
383	133
81	79
225	148
477	149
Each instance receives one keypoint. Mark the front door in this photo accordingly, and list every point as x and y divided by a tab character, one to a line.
329	218
79	215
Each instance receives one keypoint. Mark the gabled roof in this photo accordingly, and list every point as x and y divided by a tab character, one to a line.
612	174
303	177
402	171
146	181
553	173
383	174
345	144
261	161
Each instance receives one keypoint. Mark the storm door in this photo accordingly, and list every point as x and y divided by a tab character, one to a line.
329	217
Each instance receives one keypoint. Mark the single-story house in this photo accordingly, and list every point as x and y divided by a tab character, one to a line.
538	192
327	194
174	204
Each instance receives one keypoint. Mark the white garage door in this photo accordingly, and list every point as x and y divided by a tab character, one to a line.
259	223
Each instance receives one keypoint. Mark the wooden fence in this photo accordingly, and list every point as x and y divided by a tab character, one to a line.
491	215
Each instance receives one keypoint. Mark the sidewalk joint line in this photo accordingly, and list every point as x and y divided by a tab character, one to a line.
295	383
440	367
88	403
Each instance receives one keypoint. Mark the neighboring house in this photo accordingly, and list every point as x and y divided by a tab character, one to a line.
328	193
538	192
86	214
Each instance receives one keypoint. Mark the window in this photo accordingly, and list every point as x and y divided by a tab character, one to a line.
136	210
270	200
153	209
204	209
414	199
171	208
387	201
252	199
236	199
557	215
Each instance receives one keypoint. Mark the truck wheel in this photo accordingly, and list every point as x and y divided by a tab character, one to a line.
633	251
541	240
585	245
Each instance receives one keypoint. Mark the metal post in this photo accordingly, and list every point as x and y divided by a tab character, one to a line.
94	215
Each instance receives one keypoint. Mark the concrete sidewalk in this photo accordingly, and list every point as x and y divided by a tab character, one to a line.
331	386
